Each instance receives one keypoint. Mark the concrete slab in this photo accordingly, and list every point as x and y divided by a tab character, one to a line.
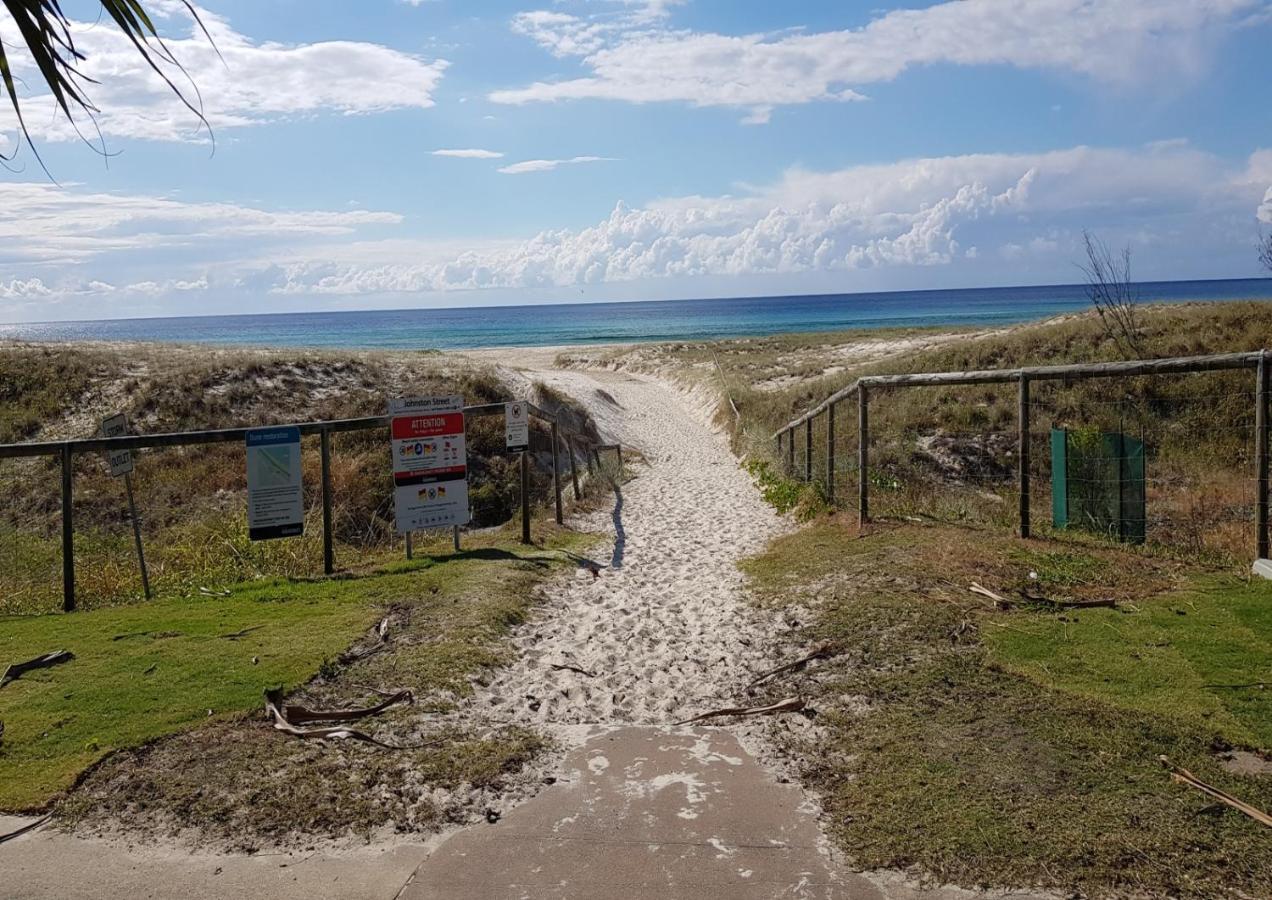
649	813
49	865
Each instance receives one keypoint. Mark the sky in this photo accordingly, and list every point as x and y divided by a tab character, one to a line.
414	153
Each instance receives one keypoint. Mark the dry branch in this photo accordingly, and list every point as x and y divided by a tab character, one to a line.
791	704
1183	776
15	671
1001	601
566	667
823	652
30	826
274	706
300	715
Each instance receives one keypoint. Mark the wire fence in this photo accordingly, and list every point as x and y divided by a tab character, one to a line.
66	536
1188	436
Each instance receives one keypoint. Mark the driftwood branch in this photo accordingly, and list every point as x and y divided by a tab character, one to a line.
823	652
792	704
274	706
566	667
1006	603
1183	776
16	670
300	715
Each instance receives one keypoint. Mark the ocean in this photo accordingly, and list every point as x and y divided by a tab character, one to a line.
661	320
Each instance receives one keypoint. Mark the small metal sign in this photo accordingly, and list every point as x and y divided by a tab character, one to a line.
121	461
275	499
517	425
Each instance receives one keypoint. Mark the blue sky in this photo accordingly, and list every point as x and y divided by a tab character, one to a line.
620	149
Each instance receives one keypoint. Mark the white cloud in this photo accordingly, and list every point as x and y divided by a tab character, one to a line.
547	165
469	154
251	83
1119	41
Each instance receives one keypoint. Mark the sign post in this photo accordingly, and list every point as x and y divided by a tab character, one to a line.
517	426
275	499
121	463
430	463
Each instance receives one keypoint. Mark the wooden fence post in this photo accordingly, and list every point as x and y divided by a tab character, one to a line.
1022	454
574	472
808	450
410	552
863	454
328	551
525	497
830	453
68	534
1261	400
556	471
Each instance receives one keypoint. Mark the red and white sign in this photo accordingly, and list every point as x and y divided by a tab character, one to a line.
430	462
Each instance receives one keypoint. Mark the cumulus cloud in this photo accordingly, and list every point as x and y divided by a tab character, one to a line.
547	165
1119	41
251	83
472	153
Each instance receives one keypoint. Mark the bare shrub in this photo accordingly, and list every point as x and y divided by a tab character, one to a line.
1112	293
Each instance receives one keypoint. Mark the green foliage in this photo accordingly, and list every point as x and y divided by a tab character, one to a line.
786	494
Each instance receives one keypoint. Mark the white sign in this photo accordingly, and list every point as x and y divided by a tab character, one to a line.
121	462
275	500
517	425
430	463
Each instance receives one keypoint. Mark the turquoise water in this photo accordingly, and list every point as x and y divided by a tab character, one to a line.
539	325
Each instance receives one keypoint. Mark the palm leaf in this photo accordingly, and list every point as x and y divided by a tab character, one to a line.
46	31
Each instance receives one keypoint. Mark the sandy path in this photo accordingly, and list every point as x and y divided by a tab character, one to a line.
665	628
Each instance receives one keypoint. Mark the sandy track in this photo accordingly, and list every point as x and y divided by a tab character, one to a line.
664	628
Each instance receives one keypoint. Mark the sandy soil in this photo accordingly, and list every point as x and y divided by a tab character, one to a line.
664	627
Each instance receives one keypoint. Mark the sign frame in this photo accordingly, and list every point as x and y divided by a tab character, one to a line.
517	426
428	443
275	494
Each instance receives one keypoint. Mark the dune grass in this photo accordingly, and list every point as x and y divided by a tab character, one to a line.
1020	747
146	671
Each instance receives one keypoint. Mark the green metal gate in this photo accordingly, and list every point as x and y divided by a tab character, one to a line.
1097	483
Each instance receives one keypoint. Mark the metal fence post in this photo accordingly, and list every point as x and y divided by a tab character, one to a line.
68	534
525	497
863	454
136	528
328	551
1022	460
556	471
574	472
1261	399
830	453
808	450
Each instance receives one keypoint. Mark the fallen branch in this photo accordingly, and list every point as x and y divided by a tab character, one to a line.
235	635
792	704
566	667
300	715
16	670
999	599
274	706
30	826
208	592
1106	603
382	635
825	651
1183	776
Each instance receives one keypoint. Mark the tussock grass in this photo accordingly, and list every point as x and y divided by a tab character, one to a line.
1020	747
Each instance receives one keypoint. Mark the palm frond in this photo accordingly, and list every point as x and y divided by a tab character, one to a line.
46	31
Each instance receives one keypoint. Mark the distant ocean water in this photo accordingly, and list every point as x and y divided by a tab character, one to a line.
541	325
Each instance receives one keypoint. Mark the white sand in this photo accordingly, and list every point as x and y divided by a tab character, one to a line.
665	627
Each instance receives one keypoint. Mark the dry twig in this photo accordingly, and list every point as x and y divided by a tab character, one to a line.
825	651
791	704
1183	776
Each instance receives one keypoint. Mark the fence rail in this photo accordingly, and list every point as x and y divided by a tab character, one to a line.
67	450
865	387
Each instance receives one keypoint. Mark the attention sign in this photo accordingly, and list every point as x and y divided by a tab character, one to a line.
275	500
517	425
430	463
121	462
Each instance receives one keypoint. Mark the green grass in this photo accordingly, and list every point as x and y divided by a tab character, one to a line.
1181	654
145	671
1019	747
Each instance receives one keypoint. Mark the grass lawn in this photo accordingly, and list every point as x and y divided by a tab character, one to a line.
151	670
1019	747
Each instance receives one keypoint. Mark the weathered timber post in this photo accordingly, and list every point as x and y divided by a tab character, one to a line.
830	453
525	497
68	534
574	472
556	471
328	551
1022	454
410	552
863	454
790	453
779	443
455	537
808	450
1261	400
